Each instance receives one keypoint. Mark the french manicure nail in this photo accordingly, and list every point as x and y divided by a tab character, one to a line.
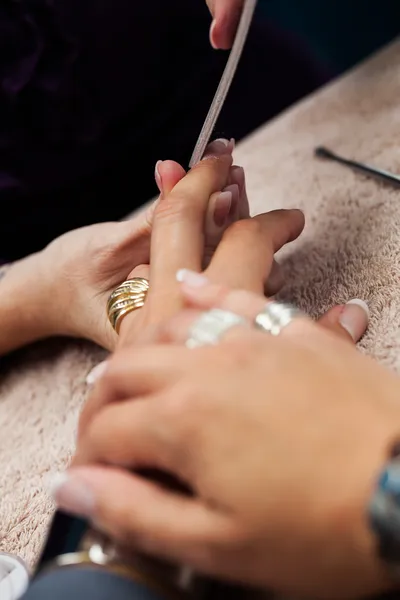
213	24
355	317
217	148
191	278
234	190
237	174
96	373
72	495
157	175
222	207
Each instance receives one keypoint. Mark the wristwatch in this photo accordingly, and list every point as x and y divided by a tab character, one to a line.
384	513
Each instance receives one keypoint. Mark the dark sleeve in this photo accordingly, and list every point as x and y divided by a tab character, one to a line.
87	583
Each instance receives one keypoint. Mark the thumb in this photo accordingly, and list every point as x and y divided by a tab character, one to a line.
135	511
226	15
348	321
167	174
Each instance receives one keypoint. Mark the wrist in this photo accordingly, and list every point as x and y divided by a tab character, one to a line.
24	317
364	571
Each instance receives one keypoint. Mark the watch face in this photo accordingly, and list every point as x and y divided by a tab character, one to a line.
65	535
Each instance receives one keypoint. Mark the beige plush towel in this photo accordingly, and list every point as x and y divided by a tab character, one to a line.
350	249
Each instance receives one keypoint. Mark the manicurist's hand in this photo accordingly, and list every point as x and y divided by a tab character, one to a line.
278	438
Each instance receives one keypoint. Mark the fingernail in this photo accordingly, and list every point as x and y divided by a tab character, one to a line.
355	317
157	175
212	28
234	190
237	174
222	207
191	278
217	148
72	495
96	373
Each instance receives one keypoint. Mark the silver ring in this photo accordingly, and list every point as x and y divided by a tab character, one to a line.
276	316
211	326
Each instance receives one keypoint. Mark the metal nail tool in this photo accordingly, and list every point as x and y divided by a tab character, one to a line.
367	169
225	83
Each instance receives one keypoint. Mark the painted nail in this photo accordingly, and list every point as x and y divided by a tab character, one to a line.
191	278
237	175
72	495
355	317
234	190
217	148
212	28
157	175
96	373
222	207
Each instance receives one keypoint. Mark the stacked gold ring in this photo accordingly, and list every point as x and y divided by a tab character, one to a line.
128	296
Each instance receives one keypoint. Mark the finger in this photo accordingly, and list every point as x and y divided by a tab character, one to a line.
275	281
131	373
140	514
245	255
348	321
131	434
237	176
221	212
167	174
178	228
226	15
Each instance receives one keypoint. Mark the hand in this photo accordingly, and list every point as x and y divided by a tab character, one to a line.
280	467
226	15
243	257
78	270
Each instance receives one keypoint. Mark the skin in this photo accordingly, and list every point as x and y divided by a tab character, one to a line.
63	290
280	468
226	15
154	408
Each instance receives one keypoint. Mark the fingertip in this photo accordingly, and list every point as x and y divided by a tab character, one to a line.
170	173
349	321
213	35
354	318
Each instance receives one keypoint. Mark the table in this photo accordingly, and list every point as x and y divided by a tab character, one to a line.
350	248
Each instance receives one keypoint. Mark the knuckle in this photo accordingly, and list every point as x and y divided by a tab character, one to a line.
175	206
245	228
241	351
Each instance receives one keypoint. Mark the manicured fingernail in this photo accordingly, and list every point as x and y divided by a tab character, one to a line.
191	278
157	175
234	190
217	148
212	29
237	175
72	495
355	317
222	208
96	373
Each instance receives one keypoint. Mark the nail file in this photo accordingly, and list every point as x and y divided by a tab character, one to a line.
225	83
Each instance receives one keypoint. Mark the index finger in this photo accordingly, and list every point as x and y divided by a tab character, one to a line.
178	229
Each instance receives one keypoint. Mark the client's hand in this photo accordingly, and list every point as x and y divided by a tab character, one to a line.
244	257
63	290
278	438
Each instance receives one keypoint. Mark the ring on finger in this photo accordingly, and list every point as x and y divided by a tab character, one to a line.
275	316
128	296
211	326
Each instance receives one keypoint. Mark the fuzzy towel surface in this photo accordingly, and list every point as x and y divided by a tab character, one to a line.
350	249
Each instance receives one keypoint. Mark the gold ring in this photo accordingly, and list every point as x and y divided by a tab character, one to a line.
128	296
